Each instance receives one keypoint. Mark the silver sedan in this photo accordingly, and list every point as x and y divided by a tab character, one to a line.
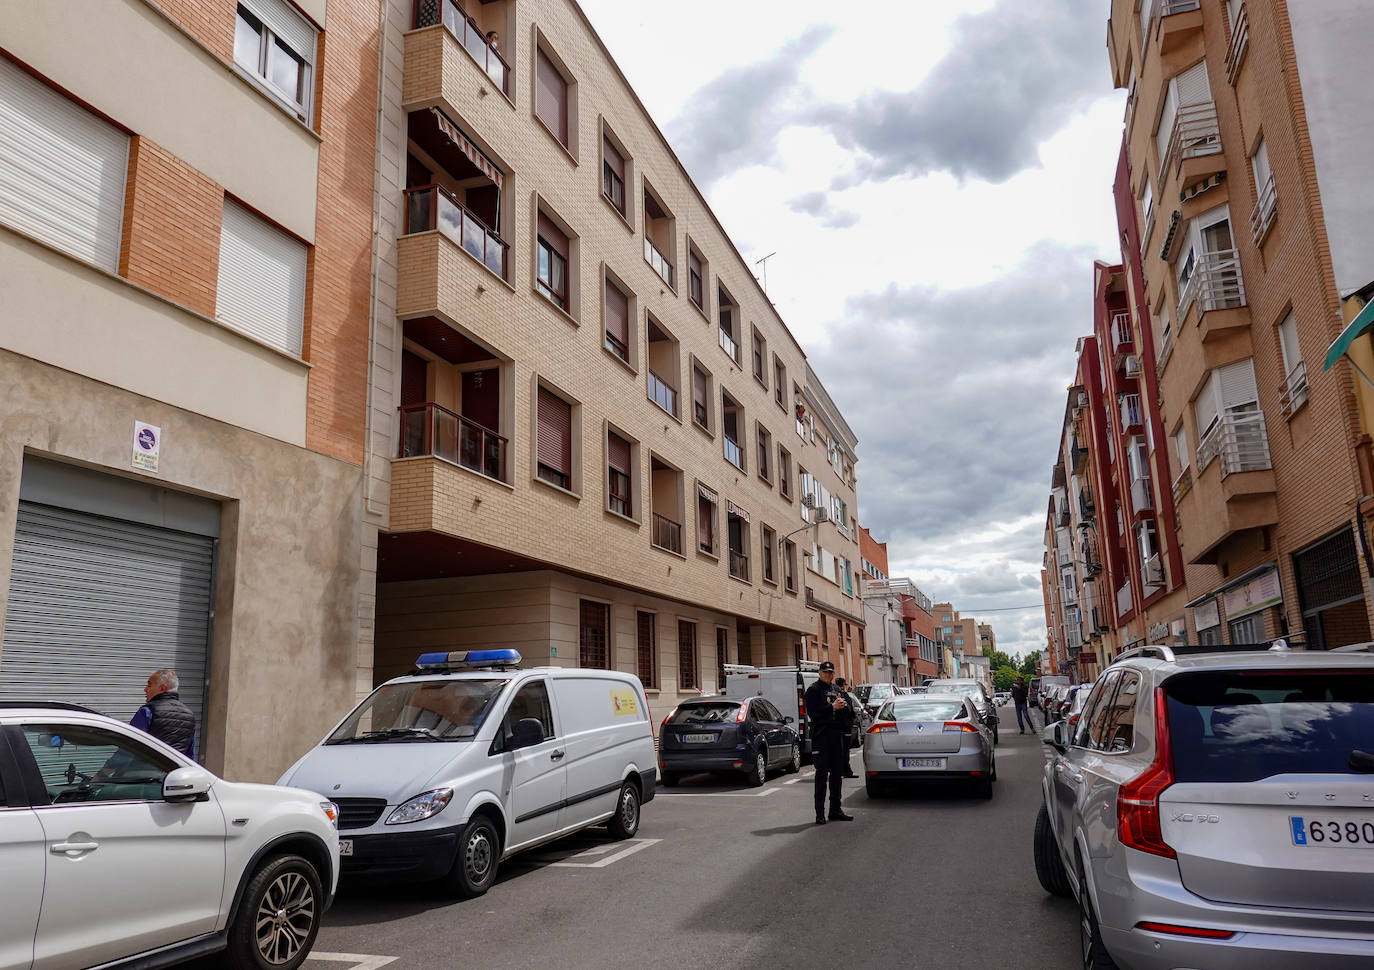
929	737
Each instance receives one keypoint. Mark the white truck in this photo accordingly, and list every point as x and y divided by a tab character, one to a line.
783	687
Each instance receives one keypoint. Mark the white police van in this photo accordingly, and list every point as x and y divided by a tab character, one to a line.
469	759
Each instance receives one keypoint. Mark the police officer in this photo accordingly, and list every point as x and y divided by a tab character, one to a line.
853	711
830	717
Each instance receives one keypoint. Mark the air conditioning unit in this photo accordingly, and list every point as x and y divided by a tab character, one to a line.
822	515
1133	366
1154	571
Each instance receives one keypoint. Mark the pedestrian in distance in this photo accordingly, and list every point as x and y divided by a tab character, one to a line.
1020	695
826	707
164	716
852	710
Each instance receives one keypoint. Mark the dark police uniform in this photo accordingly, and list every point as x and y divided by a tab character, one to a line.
829	735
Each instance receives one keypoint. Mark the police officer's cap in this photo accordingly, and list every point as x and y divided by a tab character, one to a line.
827	667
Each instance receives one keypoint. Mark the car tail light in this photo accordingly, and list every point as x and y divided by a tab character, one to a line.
1137	801
882	727
954	727
742	713
1194	931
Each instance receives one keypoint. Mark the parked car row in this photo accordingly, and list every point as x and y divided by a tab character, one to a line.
1216	810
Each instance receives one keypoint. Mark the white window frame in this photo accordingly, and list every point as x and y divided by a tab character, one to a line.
281	24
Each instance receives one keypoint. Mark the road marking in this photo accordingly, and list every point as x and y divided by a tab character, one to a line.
356	961
627	848
716	794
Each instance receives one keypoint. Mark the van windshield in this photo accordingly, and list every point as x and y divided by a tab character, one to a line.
420	710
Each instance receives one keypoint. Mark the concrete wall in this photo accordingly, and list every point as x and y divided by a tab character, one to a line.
282	657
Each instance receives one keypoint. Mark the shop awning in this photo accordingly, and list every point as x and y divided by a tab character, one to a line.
1341	344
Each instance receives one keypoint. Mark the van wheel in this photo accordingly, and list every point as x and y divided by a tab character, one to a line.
479	853
1049	867
278	918
794	763
758	774
625	822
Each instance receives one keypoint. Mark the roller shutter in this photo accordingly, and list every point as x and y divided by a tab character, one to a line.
261	280
97	604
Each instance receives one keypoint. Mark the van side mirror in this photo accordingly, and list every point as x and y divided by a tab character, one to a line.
186	785
528	732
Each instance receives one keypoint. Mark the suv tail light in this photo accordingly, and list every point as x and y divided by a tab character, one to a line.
1137	801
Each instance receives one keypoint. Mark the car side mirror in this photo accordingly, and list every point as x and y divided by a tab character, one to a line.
187	785
528	732
788	720
1053	735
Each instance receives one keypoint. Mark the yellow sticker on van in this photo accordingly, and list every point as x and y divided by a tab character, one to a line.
623	702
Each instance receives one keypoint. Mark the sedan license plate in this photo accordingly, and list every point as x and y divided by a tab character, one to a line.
698	738
1342	833
927	763
345	847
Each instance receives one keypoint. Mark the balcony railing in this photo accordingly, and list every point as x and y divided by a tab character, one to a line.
1166	347
1152	571
431	207
1086	510
658	261
663	394
734	454
469	36
1183	484
1121	331
431	429
739	565
1142	495
1241	442
1068	596
1216	283
1123	599
1293	392
1240	43
1131	414
1266	207
1196	133
727	344
667	534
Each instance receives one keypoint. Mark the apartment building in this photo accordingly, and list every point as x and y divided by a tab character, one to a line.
596	439
898	608
956	639
1244	214
185	241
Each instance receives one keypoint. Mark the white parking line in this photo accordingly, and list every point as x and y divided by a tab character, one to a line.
717	794
356	961
627	848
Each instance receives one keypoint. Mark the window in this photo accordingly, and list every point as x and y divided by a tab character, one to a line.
1230	397
1114	721
79	161
1293	394
612	174
261	289
531	701
785	472
722	652
779	382
1147	206
701	396
551	252
760	357
707	504
1181	449
1248	629
767	540
646	649
663	366
728	316
665	501
732	430
554	439
789	565
552	98
619	468
765	445
687	675
594	623
276	47
696	278
660	237
1187	90
1266	197
737	524
616	308
69	756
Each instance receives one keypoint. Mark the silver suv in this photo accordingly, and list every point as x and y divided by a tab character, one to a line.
1217	811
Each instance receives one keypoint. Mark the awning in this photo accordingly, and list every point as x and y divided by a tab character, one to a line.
1363	322
465	145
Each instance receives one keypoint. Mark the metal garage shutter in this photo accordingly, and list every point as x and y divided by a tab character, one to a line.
97	604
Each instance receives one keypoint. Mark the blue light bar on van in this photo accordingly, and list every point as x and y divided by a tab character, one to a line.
458	659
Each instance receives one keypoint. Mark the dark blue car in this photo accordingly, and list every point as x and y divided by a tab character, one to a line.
721	734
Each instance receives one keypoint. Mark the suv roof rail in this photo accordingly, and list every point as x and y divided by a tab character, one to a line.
1366	647
46	706
1157	652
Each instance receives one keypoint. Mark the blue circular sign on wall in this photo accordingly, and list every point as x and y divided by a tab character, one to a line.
146	439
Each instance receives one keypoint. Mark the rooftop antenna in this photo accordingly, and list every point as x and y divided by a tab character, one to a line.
764	263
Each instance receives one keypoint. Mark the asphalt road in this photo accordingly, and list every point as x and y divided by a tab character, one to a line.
725	876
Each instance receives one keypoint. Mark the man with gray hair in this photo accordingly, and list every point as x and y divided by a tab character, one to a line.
165	717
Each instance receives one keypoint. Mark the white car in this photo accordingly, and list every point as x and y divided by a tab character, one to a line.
118	850
443	773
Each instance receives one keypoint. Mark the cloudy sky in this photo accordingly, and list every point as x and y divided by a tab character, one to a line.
935	179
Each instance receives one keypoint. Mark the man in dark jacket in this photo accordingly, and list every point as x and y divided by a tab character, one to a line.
853	711
1019	696
165	717
830	718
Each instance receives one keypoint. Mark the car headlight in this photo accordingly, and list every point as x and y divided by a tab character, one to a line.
420	807
331	812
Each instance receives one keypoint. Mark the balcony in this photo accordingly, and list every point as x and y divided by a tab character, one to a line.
1216	284
1086	510
1078	455
1122	338
430	207
1196	135
663	394
1239	440
734	454
1293	391
1179	21
727	344
660	263
739	566
667	534
470	36
1132	417
1142	495
1123	599
1068	596
1240	43
1262	215
431	429
1241	497
1182	484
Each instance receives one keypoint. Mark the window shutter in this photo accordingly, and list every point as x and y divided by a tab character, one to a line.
63	171
1166	121
1259	162
552	235
551	97
293	29
617	453
261	280
1237	384
1193	87
698	386
1288	343
555	432
617	313
613	158
694	262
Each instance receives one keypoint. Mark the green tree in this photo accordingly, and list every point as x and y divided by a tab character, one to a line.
1029	664
998	658
1003	677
